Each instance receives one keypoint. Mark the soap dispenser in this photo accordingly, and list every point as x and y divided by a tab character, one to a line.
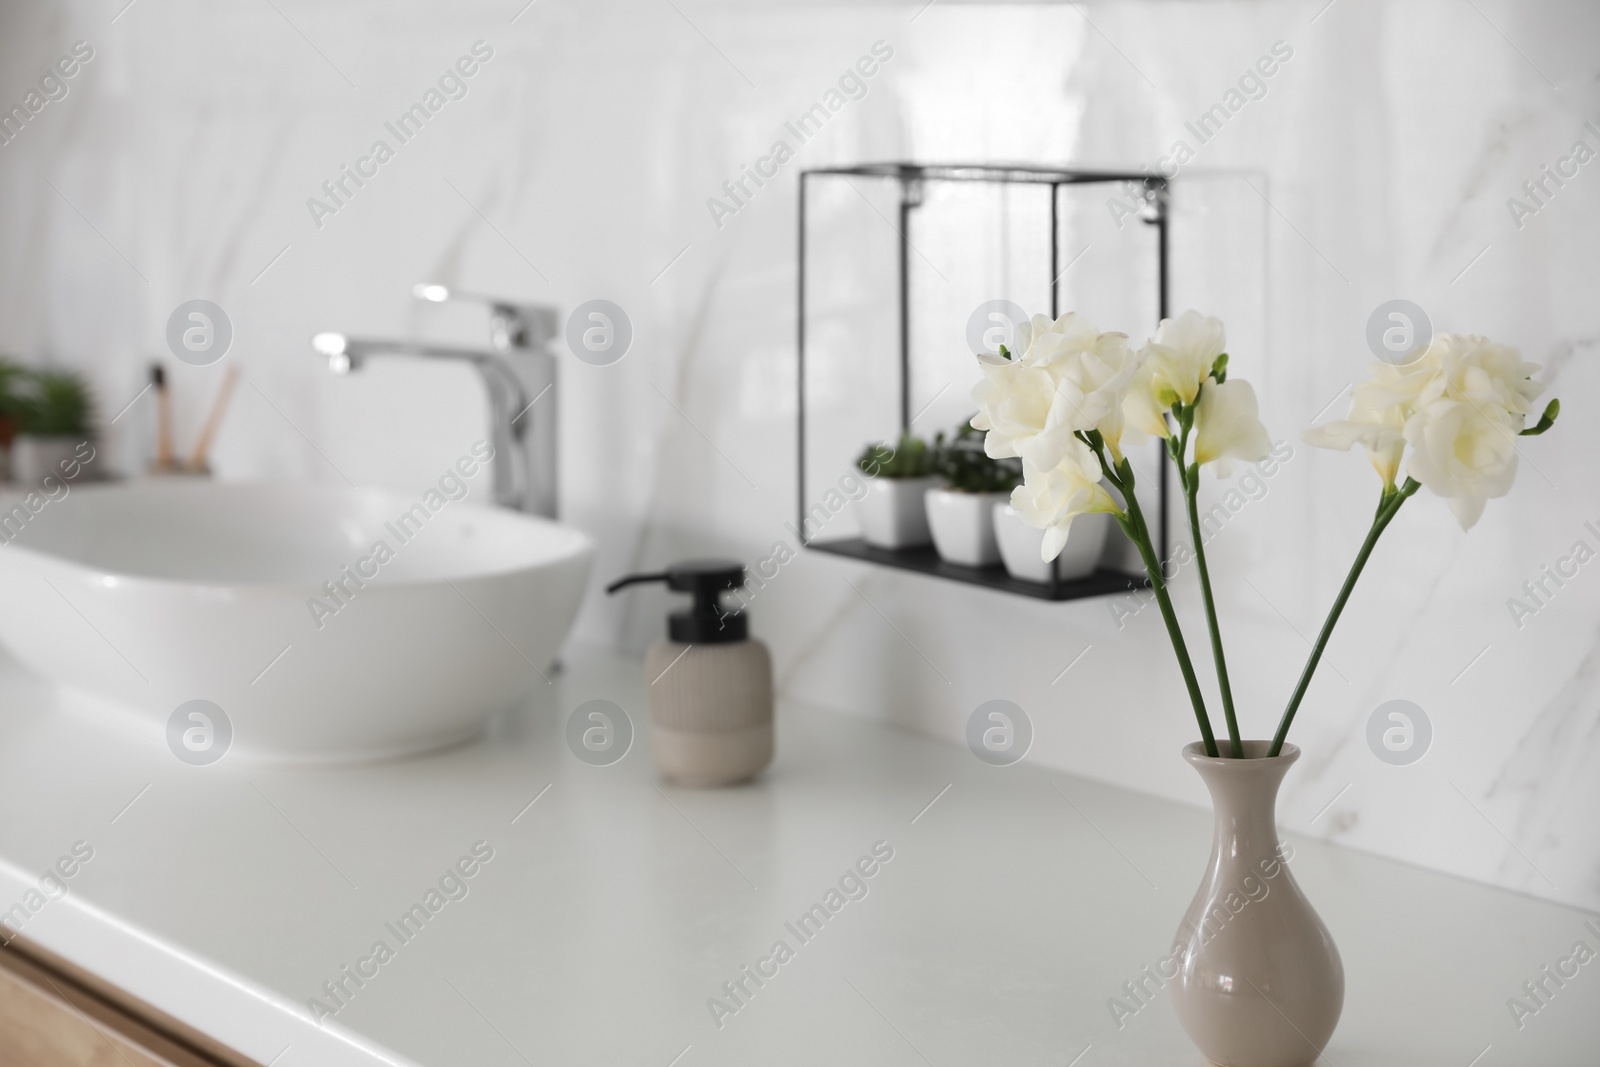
710	683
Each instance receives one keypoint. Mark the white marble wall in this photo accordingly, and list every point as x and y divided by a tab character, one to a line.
579	165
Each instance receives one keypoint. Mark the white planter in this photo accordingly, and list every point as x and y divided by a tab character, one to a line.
891	513
963	527
1020	545
32	458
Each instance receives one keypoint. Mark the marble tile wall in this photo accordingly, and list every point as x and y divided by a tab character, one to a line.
1377	163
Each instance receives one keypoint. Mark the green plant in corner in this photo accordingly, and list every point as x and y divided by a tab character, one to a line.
55	404
12	402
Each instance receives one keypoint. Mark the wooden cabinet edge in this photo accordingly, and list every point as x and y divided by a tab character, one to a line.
122	1020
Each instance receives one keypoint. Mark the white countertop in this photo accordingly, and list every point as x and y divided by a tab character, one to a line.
1013	908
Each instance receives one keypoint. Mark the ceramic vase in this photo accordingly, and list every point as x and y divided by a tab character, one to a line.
1259	982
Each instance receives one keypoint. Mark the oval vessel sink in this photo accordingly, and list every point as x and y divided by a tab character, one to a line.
328	624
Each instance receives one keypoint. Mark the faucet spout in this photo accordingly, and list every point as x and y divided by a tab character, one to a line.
508	401
517	374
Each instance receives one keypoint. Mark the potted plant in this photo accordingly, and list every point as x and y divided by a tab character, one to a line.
961	509
54	415
1259	982
890	511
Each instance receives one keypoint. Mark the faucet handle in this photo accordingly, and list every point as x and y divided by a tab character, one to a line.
512	325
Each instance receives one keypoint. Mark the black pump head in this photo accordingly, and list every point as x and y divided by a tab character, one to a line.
705	579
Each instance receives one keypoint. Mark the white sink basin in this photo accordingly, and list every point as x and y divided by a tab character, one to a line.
142	598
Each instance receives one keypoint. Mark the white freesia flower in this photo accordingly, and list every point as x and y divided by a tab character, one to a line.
1376	422
1014	401
1388	385
1071	378
1463	431
1181	355
1140	408
1477	371
1379	409
1051	499
1459	406
1462	455
1227	425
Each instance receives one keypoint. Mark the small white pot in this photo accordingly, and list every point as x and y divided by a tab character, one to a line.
891	513
1020	545
963	527
32	458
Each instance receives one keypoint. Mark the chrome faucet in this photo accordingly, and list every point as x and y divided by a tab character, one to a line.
518	374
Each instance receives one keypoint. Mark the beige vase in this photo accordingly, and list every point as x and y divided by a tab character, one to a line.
1260	982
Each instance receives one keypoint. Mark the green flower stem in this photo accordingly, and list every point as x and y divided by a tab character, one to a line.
1387	510
1191	490
1134	526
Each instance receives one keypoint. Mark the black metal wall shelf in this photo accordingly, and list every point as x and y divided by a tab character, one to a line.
926	560
911	177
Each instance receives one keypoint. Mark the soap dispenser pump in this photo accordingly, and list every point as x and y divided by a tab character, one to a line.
710	683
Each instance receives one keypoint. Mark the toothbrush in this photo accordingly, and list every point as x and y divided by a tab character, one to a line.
197	458
158	378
